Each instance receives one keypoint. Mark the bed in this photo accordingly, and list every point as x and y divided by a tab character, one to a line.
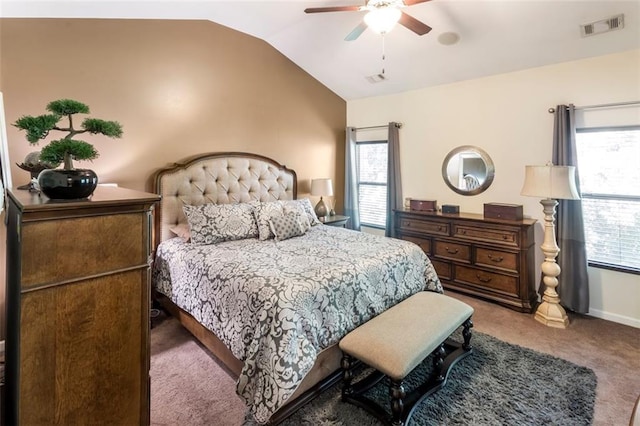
270	305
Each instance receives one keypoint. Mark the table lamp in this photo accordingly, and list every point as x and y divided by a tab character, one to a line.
321	187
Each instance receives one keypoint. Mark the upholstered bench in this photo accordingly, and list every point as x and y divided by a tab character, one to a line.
397	341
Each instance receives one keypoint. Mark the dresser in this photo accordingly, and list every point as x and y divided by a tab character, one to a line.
489	258
78	296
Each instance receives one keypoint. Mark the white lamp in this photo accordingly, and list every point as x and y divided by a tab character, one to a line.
321	187
382	19
550	183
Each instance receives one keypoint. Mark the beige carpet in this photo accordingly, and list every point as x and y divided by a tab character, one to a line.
202	393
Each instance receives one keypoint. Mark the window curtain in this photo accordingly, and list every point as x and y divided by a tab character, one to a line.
351	203
394	181
573	287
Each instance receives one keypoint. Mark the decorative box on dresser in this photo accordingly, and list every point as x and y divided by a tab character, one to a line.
78	299
488	258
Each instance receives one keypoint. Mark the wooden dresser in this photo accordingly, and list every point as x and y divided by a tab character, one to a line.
78	296
489	258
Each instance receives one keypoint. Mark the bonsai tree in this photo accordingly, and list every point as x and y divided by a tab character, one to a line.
66	149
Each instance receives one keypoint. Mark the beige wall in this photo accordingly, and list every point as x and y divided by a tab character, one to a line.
178	88
507	116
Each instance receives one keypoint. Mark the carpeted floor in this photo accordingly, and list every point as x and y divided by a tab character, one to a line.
188	386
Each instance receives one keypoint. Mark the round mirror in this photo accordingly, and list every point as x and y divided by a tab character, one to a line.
468	170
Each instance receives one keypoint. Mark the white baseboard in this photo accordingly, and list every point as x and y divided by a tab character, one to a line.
633	322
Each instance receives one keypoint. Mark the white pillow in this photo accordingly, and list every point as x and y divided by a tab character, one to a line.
213	223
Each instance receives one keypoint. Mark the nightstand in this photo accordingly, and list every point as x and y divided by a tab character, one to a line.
335	220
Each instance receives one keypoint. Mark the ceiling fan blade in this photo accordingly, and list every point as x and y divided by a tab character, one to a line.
356	32
413	24
333	9
412	2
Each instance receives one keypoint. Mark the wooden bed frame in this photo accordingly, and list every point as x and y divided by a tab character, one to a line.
201	179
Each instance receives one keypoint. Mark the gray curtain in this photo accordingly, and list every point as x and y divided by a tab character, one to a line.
573	286
351	204
394	182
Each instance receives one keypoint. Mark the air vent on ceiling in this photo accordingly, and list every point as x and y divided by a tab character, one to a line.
602	26
377	78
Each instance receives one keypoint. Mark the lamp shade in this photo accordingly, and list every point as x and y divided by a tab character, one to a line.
382	20
555	182
322	187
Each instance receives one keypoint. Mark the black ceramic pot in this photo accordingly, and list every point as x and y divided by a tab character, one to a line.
60	184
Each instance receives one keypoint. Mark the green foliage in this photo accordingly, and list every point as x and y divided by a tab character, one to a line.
37	127
78	150
67	107
66	149
112	129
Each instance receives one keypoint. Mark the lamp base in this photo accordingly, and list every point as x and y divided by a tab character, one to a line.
552	315
321	208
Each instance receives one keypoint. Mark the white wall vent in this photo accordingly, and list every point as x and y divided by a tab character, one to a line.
377	78
602	26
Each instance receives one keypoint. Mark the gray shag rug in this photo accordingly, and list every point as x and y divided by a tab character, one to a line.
498	384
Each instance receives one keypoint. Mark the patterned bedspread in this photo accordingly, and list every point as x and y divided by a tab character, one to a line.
276	305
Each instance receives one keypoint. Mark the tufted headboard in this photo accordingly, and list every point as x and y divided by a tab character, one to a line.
224	177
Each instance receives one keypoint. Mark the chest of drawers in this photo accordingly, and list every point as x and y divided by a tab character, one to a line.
489	258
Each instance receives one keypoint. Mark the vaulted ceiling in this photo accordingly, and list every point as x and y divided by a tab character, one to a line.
495	36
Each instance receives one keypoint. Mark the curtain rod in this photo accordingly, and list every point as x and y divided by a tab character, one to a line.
612	105
377	127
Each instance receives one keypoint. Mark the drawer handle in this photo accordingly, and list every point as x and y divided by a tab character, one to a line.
483	280
504	237
451	251
440	228
464	231
496	259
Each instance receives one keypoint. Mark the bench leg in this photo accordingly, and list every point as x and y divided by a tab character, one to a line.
466	333
397	393
438	363
347	376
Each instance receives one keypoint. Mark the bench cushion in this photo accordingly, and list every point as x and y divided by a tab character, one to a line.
399	339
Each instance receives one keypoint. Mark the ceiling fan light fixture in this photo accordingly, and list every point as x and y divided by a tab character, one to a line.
382	19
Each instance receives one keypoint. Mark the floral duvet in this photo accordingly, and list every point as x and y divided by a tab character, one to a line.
277	304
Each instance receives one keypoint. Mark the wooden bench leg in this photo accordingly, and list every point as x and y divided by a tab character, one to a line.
347	376
438	363
466	334
397	393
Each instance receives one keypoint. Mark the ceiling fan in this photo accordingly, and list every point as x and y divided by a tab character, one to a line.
381	17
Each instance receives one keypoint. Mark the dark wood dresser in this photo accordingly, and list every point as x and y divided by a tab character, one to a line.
78	296
490	258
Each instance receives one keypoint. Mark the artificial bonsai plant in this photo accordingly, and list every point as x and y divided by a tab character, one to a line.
67	149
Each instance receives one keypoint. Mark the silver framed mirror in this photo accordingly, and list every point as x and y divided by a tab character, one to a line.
468	170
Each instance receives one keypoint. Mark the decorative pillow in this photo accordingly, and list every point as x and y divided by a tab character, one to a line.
263	212
213	223
293	207
307	207
288	226
182	230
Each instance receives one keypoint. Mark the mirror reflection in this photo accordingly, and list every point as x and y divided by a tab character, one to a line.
468	170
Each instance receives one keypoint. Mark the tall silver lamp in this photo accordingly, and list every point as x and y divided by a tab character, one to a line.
322	187
550	183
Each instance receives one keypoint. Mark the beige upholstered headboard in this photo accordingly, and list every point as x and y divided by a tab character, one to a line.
225	177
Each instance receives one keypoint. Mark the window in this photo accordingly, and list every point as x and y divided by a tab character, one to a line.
372	183
608	159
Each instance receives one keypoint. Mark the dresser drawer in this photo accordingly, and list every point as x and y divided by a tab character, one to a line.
453	251
430	227
443	269
484	279
500	236
496	259
425	244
